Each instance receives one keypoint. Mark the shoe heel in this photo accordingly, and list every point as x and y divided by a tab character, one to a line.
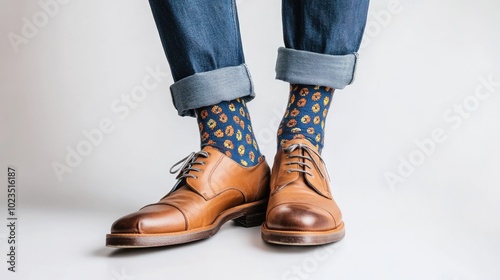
251	220
253	215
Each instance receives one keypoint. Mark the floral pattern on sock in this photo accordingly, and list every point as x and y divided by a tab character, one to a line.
305	115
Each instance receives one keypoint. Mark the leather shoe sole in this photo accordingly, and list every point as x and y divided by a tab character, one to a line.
247	215
302	238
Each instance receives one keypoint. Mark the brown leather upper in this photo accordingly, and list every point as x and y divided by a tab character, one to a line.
301	200
218	184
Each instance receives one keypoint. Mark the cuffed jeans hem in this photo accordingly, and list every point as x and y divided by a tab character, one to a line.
309	68
212	87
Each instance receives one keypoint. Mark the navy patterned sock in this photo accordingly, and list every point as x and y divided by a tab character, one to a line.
227	127
305	115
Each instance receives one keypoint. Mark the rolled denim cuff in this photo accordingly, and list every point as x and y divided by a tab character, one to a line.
212	87
309	68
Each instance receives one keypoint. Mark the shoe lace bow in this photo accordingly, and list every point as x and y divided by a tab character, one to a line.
187	164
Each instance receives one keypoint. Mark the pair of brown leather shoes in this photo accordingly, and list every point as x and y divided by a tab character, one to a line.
213	189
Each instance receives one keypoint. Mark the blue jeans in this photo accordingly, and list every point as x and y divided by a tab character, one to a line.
201	39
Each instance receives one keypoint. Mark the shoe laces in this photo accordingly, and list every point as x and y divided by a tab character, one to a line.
187	164
303	159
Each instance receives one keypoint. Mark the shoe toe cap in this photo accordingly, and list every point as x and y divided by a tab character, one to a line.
299	217
151	220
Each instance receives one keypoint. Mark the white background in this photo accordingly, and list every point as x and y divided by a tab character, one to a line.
440	222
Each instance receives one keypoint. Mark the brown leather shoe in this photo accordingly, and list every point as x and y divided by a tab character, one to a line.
301	209
211	190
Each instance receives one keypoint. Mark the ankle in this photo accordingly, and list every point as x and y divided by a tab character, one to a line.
226	126
305	116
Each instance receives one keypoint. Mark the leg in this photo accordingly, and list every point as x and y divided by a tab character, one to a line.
321	39
202	43
227	179
203	46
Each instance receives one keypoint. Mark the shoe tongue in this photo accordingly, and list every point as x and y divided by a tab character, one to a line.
299	141
211	150
316	182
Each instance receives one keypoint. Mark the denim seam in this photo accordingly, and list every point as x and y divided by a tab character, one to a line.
249	78
356	57
237	36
